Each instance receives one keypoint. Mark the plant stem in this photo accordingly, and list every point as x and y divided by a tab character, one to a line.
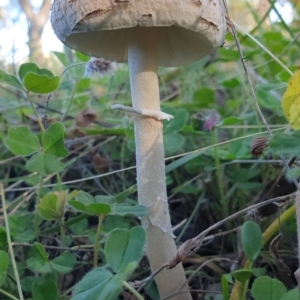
36	114
219	174
151	178
70	102
36	217
237	289
10	248
8	295
132	290
297	204
62	219
101	217
59	181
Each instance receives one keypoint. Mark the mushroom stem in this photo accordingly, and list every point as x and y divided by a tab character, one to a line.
151	178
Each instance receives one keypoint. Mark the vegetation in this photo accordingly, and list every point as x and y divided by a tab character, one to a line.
70	221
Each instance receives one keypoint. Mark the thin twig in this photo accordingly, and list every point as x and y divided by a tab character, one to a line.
144	282
195	152
8	295
251	86
45	119
191	246
3	162
202	266
10	248
73	249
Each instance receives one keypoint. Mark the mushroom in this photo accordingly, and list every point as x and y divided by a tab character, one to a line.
147	34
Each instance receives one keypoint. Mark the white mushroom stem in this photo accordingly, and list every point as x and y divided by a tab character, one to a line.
151	178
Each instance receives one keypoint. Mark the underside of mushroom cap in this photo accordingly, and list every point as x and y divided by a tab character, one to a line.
186	30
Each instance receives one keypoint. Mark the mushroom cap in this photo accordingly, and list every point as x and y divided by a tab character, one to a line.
185	30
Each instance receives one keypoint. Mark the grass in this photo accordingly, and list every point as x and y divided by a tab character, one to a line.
211	175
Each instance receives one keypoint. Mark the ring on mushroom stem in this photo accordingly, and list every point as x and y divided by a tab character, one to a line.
146	34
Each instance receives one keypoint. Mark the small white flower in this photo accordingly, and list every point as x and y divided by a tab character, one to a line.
99	67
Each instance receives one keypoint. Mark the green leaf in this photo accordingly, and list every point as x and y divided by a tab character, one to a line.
123	247
85	198
267	288
225	286
99	284
173	142
48	207
124	210
178	122
4	262
82	57
291	295
251	239
85	202
38	80
228	54
46	290
27	283
64	263
10	80
231	83
285	76
204	98
92	209
229	121
41	84
25	236
293	174
62	58
242	275
53	140
105	199
32	68
3	278
285	144
21	141
80	227
44	163
38	259
3	238
114	221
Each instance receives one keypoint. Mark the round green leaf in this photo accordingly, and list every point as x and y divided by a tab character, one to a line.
267	288
48	207
27	68
98	209
53	140
38	259
99	284
21	141
291	295
178	122
285	144
124	210
10	80
173	142
64	263
46	290
41	84
251	239
242	275
44	163
38	80
123	247
93	208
